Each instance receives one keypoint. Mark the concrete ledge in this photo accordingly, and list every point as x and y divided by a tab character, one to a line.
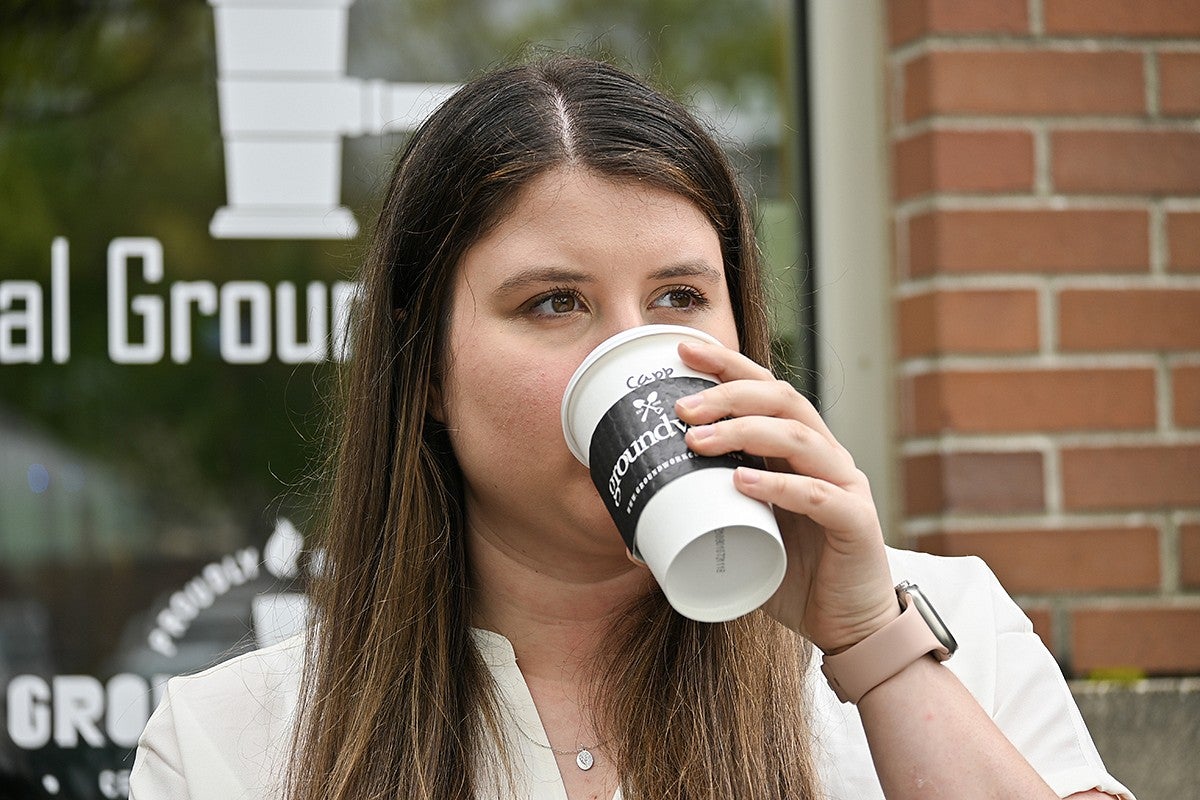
1147	732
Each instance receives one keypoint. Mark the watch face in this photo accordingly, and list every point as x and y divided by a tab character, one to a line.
927	612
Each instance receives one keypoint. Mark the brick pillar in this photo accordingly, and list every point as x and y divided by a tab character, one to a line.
1046	209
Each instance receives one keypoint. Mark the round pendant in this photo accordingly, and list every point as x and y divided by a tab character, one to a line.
584	760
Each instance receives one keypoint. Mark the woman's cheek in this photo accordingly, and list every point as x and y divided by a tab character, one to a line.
525	404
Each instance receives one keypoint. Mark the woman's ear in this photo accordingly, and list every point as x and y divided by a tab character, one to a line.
434	404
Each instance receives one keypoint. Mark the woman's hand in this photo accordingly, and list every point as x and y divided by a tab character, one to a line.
838	589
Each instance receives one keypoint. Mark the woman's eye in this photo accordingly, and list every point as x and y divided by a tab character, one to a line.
557	303
681	298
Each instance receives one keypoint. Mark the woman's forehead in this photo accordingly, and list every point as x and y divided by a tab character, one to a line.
570	218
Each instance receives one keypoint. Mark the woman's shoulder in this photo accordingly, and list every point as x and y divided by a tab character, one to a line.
271	668
945	573
955	580
224	731
258	688
913	565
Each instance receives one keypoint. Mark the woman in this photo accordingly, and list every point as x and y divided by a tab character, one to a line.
478	625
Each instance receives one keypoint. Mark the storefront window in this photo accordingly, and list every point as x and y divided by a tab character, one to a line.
185	191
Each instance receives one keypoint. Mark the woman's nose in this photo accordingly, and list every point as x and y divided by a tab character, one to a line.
624	318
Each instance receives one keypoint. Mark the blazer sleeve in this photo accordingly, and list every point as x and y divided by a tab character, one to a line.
1034	707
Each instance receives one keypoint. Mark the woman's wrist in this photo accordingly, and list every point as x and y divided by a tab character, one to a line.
887	611
917	631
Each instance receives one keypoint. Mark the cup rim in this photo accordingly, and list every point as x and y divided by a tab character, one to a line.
604	349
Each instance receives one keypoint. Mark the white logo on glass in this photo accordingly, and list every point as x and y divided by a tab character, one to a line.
651	403
278	615
285	104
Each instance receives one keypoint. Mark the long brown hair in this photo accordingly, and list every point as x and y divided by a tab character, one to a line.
397	702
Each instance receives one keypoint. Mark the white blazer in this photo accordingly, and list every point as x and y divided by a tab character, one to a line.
224	734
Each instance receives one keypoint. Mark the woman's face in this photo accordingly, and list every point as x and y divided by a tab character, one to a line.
579	259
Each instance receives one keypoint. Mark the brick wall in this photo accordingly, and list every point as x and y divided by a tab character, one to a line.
1046	211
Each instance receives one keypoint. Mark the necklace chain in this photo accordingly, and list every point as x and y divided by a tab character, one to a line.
556	751
583	755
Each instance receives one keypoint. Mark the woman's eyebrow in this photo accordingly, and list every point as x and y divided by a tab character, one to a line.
541	275
536	276
688	269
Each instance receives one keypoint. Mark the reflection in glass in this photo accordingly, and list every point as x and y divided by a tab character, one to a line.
143	505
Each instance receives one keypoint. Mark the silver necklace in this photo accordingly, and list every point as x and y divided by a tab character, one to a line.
583	755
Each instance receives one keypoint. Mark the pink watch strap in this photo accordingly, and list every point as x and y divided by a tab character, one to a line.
853	673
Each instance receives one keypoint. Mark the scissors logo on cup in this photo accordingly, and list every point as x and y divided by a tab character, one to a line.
651	403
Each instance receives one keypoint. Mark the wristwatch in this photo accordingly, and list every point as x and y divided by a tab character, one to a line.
917	632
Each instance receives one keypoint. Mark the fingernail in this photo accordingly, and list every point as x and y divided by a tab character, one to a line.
702	432
691	401
748	475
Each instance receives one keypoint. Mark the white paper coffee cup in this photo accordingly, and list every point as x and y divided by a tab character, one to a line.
716	553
